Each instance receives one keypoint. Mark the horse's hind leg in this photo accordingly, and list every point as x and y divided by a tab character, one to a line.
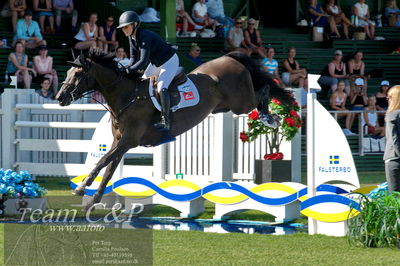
118	148
107	176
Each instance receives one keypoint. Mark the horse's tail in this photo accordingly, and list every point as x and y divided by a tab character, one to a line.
262	79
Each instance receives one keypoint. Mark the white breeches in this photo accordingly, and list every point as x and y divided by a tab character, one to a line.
165	72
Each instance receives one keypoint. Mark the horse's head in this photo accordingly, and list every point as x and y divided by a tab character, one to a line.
78	81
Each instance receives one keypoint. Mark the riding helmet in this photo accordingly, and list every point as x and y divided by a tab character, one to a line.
128	17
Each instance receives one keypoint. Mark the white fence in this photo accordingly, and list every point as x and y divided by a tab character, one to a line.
40	136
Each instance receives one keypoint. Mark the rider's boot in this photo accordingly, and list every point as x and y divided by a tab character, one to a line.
165	112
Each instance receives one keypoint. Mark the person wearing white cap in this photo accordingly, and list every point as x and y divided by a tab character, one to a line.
358	99
334	72
381	96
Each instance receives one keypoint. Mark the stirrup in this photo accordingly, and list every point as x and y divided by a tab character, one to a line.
163	124
271	121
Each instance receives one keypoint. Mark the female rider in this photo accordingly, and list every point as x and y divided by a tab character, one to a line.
154	54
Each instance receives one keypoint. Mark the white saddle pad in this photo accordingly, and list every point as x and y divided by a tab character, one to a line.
189	96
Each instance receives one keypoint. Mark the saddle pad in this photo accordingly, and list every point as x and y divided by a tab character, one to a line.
188	93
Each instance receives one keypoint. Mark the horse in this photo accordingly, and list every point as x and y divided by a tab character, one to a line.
232	82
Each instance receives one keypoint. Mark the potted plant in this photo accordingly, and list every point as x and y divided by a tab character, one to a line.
378	224
18	191
273	168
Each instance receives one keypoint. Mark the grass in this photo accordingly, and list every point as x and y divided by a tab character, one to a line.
199	248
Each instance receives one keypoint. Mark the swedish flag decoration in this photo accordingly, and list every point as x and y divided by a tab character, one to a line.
334	159
102	147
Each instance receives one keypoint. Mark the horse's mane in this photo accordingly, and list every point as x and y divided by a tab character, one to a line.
106	59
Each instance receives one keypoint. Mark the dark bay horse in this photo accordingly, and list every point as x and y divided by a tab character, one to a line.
229	83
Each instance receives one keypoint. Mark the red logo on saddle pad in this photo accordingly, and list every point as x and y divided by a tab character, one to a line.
188	96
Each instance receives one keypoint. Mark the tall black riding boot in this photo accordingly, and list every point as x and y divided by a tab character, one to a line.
165	106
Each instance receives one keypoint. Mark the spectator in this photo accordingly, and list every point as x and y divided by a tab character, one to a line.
358	99
320	19
339	17
357	68
43	9
370	119
235	40
338	103
14	9
183	17
381	96
18	66
270	65
334	72
194	54
28	32
361	11
392	14
43	65
215	9
253	39
44	90
65	8
88	34
200	15
108	35
293	73
121	58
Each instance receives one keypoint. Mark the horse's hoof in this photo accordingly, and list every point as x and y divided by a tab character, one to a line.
78	192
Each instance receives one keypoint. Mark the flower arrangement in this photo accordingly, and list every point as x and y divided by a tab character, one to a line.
19	185
286	131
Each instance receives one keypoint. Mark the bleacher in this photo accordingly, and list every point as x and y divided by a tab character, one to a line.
312	55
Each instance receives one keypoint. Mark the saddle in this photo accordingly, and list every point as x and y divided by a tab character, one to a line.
182	91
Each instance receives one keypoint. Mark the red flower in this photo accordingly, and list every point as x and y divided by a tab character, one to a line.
243	136
254	115
295	103
290	121
276	101
274	156
294	113
298	125
276	81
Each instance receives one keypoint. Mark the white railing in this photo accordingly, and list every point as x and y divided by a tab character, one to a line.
44	138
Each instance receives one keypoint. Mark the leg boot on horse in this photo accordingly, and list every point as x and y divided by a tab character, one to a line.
165	110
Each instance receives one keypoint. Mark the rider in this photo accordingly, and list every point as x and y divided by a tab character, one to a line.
151	51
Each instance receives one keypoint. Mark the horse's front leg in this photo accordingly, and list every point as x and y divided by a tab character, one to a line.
107	176
117	148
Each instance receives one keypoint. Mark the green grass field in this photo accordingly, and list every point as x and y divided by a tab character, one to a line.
198	248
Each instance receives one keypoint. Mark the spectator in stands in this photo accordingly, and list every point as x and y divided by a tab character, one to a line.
183	17
194	54
108	35
65	8
88	34
215	9
28	32
334	72
200	15
14	9
43	65
361	11
18	66
293	75
356	69
381	96
121	58
370	119
338	103
43	9
44	90
252	38
235	40
358	99
339	17
270	65
321	19
392	13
